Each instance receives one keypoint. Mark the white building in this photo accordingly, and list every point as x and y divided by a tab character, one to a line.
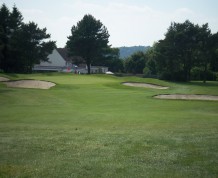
59	61
98	69
55	63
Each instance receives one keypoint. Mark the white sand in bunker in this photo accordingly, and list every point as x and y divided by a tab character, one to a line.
144	85
30	84
3	79
187	97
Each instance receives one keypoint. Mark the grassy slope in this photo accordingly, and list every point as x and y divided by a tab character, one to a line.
91	126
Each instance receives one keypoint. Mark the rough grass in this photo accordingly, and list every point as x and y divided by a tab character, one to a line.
92	126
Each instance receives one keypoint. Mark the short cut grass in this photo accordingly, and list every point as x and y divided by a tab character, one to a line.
93	126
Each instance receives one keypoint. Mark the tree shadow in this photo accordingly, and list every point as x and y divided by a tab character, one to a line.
199	83
5	90
12	75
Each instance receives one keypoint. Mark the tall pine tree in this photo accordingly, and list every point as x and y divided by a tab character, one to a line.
89	39
4	35
21	45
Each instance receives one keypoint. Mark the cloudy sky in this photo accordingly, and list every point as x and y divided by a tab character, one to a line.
129	22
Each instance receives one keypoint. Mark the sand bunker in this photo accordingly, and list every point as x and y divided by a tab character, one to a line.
145	85
30	84
3	79
187	97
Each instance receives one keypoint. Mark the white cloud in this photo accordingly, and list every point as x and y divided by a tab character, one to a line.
182	14
35	15
127	24
132	25
33	11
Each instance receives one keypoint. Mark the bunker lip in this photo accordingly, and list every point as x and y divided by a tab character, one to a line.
4	79
38	84
187	97
144	85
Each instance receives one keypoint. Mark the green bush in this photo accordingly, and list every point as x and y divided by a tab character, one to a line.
197	73
146	72
172	76
216	76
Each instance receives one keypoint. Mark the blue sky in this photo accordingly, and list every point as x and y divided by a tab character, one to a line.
129	22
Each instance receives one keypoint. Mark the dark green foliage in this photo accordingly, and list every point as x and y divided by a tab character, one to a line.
21	45
89	39
136	63
4	34
116	65
146	72
142	63
214	52
112	60
185	46
204	49
176	51
151	62
198	73
31	37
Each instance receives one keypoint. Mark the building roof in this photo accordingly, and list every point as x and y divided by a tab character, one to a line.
73	59
64	54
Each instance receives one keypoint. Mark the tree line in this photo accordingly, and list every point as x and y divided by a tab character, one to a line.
187	52
89	39
21	44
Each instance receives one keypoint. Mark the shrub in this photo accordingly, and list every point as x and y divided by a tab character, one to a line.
146	72
197	73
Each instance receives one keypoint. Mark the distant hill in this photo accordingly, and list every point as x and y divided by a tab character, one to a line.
128	51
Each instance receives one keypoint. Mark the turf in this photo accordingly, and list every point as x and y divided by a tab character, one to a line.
92	126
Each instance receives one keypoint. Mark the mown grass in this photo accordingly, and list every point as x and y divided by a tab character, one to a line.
92	126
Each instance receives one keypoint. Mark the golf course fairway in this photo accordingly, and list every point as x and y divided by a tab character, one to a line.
93	126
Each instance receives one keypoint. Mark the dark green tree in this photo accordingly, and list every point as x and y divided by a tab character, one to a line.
135	63
112	60
168	65
21	45
4	35
204	49
89	39
181	40
12	63
31	46
214	52
151	62
15	20
184	47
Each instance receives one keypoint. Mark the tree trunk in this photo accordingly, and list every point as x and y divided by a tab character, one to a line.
205	73
89	67
5	59
189	74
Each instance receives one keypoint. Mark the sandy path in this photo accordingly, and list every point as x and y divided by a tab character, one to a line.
188	97
145	85
30	84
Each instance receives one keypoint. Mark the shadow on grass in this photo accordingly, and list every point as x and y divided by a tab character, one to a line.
5	90
199	83
12	75
50	73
